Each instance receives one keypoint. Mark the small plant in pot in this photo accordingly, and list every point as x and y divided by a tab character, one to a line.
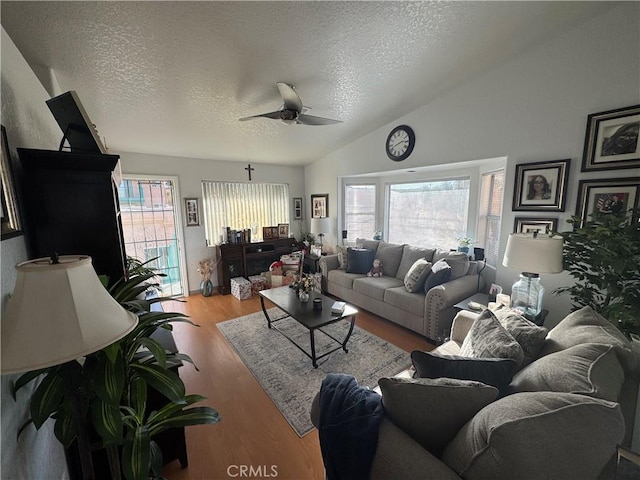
603	256
464	243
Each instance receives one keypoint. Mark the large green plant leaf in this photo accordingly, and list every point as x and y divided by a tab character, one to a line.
186	417
46	399
136	455
27	378
109	378
107	421
65	427
165	381
157	351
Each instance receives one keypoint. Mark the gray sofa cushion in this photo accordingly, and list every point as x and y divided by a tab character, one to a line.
534	435
587	326
409	302
416	276
530	336
342	278
410	255
374	287
368	244
488	339
432	411
390	254
459	265
590	369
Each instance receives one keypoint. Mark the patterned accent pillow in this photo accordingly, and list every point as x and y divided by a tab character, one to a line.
488	339
529	335
417	274
440	273
342	257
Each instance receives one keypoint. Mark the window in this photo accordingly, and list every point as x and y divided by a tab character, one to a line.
428	214
359	211
243	205
490	211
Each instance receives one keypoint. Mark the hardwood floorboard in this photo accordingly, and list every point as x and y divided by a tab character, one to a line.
252	434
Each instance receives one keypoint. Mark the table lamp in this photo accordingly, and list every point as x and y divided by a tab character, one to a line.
532	254
320	226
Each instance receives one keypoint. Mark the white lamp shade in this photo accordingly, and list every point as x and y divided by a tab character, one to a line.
534	254
321	225
57	313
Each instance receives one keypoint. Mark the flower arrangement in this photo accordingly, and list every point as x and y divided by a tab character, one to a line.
465	241
304	283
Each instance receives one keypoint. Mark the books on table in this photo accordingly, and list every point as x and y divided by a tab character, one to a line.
338	307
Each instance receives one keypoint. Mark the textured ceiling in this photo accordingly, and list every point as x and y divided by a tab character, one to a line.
173	78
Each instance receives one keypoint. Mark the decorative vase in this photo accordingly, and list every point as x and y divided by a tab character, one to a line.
303	296
206	288
463	249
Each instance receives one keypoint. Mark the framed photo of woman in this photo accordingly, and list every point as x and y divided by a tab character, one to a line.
541	187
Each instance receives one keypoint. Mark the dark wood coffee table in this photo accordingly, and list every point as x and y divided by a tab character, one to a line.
287	300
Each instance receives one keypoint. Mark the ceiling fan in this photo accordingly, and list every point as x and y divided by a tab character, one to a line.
292	111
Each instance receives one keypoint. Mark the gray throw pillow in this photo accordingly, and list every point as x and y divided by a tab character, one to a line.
432	411
440	273
416	276
529	335
590	369
359	260
459	264
488	339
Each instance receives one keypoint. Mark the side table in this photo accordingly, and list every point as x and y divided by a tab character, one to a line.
311	263
483	299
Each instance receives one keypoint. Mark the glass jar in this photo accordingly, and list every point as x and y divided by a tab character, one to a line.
526	295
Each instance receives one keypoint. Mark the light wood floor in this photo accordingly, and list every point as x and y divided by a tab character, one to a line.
252	432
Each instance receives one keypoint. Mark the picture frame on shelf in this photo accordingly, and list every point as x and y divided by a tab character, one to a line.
607	197
11	222
283	230
530	225
320	205
297	208
611	140
541	186
192	212
267	233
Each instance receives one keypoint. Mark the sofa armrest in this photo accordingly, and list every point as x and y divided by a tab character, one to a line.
462	324
439	302
327	263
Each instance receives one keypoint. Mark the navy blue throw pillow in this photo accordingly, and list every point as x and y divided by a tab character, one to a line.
359	260
496	372
440	273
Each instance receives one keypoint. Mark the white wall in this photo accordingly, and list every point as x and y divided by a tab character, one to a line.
29	123
191	172
533	108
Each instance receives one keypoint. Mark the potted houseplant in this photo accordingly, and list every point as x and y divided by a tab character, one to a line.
110	388
464	243
603	256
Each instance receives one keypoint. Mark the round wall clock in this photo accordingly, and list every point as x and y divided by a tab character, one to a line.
400	143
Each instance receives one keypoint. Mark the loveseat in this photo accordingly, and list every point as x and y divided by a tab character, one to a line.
561	416
429	312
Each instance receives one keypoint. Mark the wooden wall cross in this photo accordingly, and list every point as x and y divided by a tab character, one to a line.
249	170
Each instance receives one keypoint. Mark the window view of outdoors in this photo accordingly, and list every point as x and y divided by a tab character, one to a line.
148	224
360	211
428	214
491	193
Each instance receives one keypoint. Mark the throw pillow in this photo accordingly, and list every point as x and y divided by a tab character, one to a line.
529	335
490	371
359	260
432	411
590	369
459	264
534	435
416	276
488	339
342	257
440	273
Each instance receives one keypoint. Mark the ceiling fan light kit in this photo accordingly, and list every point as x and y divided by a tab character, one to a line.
292	110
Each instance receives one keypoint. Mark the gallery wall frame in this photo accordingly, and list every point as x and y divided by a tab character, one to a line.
11	222
612	196
192	211
541	186
535	224
611	140
319	205
297	208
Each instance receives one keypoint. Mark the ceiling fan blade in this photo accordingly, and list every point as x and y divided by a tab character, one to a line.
312	120
275	115
290	98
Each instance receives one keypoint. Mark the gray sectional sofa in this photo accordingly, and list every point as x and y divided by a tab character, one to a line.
429	314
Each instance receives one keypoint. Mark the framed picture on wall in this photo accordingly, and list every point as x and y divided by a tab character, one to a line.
297	208
611	140
541	187
530	225
11	225
320	205
192	211
613	196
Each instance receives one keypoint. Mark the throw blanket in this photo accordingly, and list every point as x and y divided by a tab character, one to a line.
348	427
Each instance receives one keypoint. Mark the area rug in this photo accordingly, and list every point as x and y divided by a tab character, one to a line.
286	373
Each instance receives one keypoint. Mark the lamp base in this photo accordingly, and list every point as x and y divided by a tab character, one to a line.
526	296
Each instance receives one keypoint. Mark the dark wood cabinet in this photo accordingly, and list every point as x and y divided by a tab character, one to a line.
70	206
243	260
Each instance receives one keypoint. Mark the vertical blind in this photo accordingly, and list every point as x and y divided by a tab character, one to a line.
242	206
490	214
359	211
